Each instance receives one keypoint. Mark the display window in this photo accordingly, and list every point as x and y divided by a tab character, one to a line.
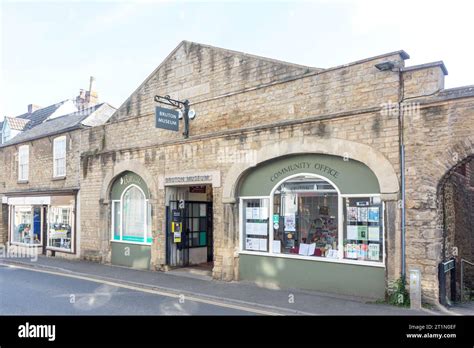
307	217
132	217
26	226
255	226
363	237
60	227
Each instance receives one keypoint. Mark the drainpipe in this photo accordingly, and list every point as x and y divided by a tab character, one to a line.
395	67
402	168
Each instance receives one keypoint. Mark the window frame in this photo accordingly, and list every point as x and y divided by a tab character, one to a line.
21	156
340	233
72	224
146	222
55	158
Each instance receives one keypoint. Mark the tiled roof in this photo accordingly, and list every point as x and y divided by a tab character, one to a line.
39	116
57	125
17	123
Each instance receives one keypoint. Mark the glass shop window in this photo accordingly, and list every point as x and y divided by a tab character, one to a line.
26	225
60	227
363	232
255	224
305	218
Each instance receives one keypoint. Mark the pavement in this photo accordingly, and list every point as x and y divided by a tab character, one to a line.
242	297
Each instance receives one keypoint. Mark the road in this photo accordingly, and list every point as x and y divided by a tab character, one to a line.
29	292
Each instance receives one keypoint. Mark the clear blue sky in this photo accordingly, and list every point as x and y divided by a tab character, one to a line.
49	49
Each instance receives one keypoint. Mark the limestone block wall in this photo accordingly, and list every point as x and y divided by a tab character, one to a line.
437	138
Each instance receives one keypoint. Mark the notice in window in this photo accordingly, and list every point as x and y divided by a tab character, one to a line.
352	214
352	232
374	252
252	244
374	233
362	232
374	214
290	223
362	214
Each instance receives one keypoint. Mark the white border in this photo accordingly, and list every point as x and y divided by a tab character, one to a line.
340	258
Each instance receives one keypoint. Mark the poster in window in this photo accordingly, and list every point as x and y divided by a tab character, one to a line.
374	214
362	232
362	214
352	232
374	233
290	223
351	251
362	251
263	244
374	252
352	214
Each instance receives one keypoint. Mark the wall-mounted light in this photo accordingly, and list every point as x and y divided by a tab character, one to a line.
384	66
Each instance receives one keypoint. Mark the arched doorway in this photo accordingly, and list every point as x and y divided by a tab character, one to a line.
456	197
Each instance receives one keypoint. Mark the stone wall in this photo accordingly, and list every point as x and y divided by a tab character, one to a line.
437	139
40	176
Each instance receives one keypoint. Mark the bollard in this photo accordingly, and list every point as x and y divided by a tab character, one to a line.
415	289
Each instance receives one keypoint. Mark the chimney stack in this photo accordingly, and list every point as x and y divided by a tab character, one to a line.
91	95
88	98
32	108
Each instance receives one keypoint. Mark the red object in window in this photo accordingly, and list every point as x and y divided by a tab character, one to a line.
317	252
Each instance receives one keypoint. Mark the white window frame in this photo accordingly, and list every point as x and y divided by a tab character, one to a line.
72	222
340	233
146	222
56	157
23	174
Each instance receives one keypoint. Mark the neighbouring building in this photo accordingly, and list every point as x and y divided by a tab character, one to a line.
40	179
291	176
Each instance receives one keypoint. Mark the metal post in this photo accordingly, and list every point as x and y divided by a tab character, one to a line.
415	289
442	282
453	281
462	280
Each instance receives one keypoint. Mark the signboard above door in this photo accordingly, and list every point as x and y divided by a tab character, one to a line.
167	119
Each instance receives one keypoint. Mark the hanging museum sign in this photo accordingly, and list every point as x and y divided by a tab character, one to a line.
167	118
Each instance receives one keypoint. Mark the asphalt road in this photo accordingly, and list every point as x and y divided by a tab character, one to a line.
27	292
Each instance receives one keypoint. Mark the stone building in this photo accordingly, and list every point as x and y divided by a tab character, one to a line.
40	183
291	175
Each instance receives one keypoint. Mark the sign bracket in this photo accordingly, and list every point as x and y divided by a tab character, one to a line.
177	104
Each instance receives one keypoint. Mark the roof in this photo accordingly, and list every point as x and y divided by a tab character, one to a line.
39	116
16	123
57	125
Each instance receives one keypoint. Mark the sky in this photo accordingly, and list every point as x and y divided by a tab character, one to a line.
49	49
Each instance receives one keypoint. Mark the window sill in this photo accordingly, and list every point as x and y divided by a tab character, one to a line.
58	178
22	182
66	251
127	242
316	259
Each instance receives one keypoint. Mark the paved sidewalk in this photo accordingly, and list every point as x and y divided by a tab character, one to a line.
242	293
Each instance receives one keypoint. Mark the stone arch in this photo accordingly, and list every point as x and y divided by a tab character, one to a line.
376	161
131	166
453	205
